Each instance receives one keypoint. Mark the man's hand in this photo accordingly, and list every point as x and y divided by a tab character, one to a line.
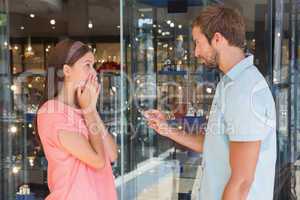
155	116
158	121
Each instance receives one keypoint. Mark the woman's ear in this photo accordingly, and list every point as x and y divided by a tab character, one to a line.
67	70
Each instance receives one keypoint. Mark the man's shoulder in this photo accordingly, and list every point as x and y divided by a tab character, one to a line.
250	80
250	88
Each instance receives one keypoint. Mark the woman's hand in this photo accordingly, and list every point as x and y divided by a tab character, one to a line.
87	95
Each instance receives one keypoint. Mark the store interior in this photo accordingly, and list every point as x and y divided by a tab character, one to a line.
146	62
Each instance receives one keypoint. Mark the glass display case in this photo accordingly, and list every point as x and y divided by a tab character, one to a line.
109	108
159	71
162	73
286	88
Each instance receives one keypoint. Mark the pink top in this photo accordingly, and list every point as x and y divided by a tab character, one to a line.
68	177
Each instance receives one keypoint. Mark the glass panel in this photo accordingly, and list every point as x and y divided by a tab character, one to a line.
163	74
8	164
286	86
28	32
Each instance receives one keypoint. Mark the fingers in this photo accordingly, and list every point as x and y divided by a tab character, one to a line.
79	91
154	113
87	82
92	81
98	89
150	113
153	125
152	117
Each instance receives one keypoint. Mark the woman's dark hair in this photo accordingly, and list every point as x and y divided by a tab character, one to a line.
65	52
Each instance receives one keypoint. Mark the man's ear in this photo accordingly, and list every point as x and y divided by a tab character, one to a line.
218	38
67	70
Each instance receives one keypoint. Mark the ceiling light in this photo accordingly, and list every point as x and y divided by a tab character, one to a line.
15	170
52	22
13	88
172	25
209	90
90	25
29	48
13	129
180	26
22	28
32	15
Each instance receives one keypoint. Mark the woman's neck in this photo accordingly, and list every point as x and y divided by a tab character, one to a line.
67	96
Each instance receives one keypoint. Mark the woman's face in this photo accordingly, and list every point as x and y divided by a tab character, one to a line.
79	72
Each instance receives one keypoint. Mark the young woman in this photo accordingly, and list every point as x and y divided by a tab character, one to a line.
76	143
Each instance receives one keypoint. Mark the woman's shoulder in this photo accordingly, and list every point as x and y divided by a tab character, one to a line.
51	107
56	111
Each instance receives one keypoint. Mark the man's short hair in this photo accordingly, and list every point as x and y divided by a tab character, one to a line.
220	19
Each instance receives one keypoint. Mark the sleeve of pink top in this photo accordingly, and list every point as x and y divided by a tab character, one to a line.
49	125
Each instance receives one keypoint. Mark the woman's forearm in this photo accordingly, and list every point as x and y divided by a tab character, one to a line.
95	136
108	140
111	147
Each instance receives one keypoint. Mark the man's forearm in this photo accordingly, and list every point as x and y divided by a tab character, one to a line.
191	141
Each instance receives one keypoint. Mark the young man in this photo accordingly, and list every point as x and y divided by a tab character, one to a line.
239	146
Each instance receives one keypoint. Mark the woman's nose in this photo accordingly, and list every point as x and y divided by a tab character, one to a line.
93	72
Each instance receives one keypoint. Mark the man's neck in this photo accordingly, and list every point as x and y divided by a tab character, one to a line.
229	58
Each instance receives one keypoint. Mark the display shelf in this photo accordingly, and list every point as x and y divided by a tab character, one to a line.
173	73
188	120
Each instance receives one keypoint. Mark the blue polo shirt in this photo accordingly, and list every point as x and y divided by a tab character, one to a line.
243	109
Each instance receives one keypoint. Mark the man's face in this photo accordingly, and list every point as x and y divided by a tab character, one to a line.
203	50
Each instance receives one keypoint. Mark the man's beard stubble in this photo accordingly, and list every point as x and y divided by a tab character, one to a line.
213	61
